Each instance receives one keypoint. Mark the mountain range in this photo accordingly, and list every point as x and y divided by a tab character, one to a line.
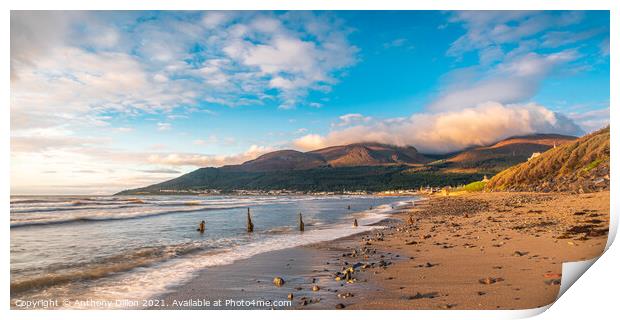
352	155
360	166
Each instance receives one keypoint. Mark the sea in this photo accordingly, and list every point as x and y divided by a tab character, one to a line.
111	248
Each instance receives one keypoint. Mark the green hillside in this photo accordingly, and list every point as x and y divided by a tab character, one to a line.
368	178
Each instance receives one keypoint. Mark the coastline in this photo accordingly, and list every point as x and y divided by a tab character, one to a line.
466	251
251	279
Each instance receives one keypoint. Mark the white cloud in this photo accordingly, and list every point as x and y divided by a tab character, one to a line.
213	19
512	81
292	64
490	31
161	170
233	59
301	131
212	139
591	120
450	130
351	119
311	142
163	126
398	43
556	39
604	47
203	160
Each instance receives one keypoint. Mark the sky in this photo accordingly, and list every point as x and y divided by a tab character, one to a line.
106	101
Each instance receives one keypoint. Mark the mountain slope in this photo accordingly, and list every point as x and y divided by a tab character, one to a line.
505	153
364	154
283	160
580	166
369	178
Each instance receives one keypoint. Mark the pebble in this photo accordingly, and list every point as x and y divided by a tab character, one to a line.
553	282
489	280
278	282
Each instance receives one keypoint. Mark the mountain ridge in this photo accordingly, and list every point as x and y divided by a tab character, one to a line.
360	166
517	148
351	155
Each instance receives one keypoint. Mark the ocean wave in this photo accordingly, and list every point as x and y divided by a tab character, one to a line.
137	215
61	274
53	209
32	201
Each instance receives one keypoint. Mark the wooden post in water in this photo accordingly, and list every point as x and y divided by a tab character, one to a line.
250	224
301	223
355	223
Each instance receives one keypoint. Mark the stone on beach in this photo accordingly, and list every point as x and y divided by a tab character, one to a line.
278	282
489	280
430	295
410	220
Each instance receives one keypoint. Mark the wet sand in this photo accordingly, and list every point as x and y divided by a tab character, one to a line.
468	251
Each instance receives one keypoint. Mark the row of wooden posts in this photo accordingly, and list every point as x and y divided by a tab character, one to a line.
250	224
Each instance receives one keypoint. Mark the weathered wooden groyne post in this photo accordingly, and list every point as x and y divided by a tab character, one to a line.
355	222
250	225
301	223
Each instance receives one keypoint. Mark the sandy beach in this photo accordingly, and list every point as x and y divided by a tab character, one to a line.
467	251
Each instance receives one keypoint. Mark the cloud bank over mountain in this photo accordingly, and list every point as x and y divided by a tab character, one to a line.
451	130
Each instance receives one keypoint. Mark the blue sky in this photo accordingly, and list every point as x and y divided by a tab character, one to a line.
103	101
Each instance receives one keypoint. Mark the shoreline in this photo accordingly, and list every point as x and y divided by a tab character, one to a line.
301	267
466	251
